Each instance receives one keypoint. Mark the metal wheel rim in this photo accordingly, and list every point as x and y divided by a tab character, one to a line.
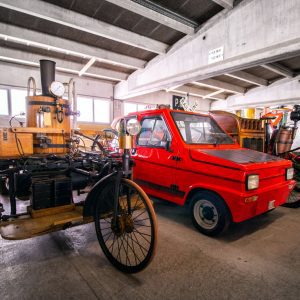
199	214
130	249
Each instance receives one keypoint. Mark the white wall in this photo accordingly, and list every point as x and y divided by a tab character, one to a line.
162	97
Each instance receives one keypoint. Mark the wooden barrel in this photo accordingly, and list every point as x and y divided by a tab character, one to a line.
47	106
285	140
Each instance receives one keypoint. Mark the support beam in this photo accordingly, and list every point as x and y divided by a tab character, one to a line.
279	69
284	91
58	15
217	84
87	66
214	94
152	12
42	40
225	3
247	77
204	94
244	51
25	58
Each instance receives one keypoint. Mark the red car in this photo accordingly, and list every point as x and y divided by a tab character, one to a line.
186	157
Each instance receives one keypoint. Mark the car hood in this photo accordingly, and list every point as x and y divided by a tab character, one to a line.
237	158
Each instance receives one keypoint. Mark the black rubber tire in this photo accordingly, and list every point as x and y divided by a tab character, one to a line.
3	187
211	200
127	267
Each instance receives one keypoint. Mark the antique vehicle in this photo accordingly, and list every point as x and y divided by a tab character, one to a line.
42	163
186	158
249	133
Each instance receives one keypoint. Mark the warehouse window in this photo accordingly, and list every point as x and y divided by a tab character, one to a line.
85	107
18	101
101	111
4	102
93	110
130	107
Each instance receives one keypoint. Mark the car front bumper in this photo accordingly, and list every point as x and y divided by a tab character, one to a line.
251	204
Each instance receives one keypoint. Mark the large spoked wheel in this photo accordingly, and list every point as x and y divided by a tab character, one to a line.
129	242
209	213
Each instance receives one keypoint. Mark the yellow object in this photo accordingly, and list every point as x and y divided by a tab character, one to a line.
47	119
250	113
125	142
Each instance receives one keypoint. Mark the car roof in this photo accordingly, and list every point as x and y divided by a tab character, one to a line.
162	110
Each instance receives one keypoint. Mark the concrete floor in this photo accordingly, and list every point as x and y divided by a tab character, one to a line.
257	259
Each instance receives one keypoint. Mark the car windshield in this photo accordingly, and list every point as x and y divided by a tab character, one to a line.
197	129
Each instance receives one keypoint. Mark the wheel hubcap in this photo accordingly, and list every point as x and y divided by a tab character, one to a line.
206	214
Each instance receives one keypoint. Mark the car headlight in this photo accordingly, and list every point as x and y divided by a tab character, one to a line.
133	127
289	173
252	182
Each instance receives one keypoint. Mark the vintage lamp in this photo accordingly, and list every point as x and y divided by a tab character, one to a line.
127	130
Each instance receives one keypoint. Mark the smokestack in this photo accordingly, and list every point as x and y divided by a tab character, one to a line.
47	68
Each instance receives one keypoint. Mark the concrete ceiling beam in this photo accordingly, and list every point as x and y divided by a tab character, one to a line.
204	94
247	77
49	42
187	61
220	85
65	17
225	3
30	59
154	15
213	94
87	66
282	92
279	69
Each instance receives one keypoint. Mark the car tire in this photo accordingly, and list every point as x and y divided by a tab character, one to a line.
209	213
4	187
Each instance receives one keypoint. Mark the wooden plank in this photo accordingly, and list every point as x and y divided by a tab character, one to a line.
9	140
50	211
37	130
29	227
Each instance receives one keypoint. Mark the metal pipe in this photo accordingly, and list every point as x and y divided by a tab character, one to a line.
47	69
31	80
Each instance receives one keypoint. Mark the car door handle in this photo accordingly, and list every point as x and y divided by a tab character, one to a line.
174	157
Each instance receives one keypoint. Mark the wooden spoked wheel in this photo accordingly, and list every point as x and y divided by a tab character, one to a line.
129	242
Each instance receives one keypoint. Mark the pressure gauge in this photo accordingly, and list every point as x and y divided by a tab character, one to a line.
57	89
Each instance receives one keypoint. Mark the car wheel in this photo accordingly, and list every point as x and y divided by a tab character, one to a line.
4	187
209	213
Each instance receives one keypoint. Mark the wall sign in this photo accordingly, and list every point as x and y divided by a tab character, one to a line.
216	55
176	103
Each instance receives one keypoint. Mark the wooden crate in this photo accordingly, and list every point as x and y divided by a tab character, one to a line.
8	143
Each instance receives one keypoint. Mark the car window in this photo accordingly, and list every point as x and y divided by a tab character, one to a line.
154	133
197	129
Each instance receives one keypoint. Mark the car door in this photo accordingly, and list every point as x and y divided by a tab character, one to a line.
155	158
